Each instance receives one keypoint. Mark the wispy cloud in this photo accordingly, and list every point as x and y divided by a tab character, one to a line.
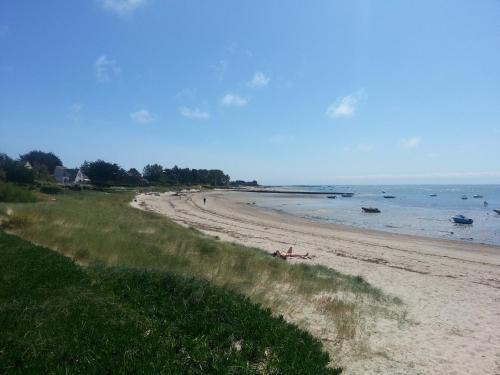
106	69
74	112
233	100
220	68
142	116
185	93
360	147
122	7
259	80
345	106
76	108
410	143
194	113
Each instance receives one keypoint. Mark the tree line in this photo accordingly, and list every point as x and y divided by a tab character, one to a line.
102	173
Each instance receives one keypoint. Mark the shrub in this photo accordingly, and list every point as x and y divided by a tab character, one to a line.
51	189
13	193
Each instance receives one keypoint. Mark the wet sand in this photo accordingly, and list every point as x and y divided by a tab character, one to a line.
450	289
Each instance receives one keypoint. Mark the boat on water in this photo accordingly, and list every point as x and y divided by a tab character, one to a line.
331	196
461	219
477	196
372	210
389	196
464	197
347	195
497	211
433	195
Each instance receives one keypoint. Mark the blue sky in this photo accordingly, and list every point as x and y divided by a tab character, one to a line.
281	91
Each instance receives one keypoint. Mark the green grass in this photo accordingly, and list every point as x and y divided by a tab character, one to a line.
101	228
57	318
10	192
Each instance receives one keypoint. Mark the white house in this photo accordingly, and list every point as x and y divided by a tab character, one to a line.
80	178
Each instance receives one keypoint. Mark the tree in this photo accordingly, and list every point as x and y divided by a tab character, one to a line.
39	158
14	171
134	177
153	173
104	174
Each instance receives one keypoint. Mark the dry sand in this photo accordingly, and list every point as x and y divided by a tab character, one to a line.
451	290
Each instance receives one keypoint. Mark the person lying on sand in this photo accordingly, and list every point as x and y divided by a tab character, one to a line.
289	254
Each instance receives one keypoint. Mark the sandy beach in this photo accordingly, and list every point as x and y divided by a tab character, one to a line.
451	290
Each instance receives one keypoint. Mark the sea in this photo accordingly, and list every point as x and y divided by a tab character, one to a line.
413	211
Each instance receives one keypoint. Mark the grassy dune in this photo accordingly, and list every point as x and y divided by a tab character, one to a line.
58	318
101	228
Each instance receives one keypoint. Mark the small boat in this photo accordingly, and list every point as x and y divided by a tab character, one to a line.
477	196
497	211
331	196
464	197
389	196
461	219
347	195
433	195
383	192
372	210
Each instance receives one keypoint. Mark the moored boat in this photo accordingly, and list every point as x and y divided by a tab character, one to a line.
347	195
372	210
477	196
331	196
464	197
433	195
461	219
497	211
389	196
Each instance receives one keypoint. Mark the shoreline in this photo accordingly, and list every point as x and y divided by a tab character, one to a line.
451	289
448	234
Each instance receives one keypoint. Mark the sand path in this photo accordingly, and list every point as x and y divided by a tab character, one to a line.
451	289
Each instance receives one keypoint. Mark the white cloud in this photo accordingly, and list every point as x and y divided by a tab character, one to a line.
75	112
220	68
360	147
344	106
259	80
122	7
410	143
194	113
142	116
234	100
76	108
185	93
106	69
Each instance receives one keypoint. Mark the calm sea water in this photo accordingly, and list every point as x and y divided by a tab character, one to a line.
413	211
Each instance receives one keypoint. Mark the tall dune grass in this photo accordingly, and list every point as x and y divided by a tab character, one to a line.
101	228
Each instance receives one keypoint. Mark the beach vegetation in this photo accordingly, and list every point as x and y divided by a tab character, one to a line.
58	317
101	228
10	192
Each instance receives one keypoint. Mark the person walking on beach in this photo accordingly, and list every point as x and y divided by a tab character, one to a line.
204	200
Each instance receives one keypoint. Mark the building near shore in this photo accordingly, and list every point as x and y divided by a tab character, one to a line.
65	176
